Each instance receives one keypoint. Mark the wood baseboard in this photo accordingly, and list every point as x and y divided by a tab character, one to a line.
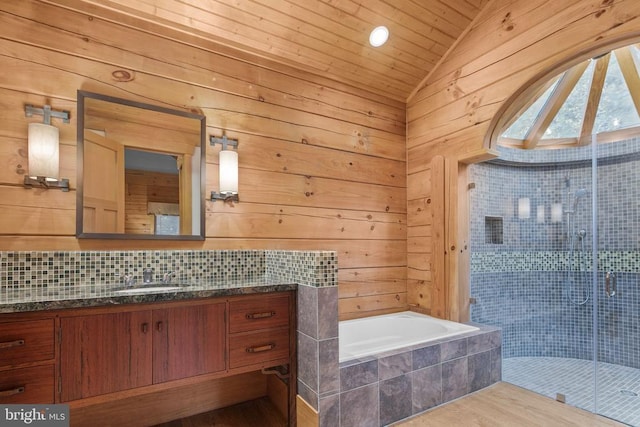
306	415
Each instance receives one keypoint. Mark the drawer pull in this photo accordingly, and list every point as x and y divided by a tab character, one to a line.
263	315
261	348
11	344
12	392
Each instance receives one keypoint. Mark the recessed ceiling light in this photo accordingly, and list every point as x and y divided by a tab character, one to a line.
379	36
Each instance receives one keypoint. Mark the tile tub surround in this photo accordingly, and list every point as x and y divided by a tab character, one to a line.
382	389
318	352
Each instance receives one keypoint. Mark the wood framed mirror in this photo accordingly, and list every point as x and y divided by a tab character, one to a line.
141	170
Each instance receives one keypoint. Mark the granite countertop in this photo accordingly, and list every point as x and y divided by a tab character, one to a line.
55	298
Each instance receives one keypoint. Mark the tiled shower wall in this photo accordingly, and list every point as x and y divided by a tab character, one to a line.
522	284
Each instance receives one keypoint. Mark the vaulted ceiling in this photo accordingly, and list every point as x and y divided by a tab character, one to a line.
324	37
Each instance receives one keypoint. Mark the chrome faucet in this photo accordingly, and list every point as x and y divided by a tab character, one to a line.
128	279
166	277
147	275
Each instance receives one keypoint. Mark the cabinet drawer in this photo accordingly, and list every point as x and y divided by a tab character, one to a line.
27	341
258	313
258	347
27	385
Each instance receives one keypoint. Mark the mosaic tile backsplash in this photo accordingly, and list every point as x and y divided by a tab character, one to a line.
531	281
66	275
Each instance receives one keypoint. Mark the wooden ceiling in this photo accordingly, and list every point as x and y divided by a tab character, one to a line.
325	37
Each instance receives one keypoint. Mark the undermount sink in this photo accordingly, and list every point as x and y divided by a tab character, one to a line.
148	289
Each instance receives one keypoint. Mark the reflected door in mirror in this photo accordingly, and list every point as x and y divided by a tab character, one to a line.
103	204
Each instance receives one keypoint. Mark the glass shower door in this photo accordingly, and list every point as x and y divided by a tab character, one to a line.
531	268
617	285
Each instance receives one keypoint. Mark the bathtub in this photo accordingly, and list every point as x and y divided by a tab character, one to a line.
378	334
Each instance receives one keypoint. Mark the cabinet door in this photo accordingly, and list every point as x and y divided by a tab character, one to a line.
188	341
105	353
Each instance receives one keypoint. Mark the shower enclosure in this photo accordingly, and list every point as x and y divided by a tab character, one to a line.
555	262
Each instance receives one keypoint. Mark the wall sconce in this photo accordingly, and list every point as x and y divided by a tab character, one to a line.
228	169
44	149
524	208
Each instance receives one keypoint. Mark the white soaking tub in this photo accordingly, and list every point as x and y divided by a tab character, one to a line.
378	334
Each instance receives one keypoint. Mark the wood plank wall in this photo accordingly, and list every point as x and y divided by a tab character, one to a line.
509	44
322	165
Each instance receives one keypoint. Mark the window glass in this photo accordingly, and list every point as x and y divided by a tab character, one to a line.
568	121
167	225
519	129
616	109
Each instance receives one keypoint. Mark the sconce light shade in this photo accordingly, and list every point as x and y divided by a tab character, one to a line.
228	172
44	149
44	152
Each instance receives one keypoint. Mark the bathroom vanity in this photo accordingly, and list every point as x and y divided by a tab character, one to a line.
145	359
70	333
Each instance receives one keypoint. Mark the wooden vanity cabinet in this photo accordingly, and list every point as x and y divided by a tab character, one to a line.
258	330
106	353
145	364
27	360
188	341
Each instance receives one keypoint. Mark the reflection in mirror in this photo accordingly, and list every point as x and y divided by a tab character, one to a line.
140	170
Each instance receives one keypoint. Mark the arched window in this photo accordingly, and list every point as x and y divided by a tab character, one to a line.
599	96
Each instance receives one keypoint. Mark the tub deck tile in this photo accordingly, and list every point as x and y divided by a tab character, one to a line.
483	342
426	356
308	361
426	388
358	375
455	379
453	349
395	399
328	366
479	371
396	365
360	407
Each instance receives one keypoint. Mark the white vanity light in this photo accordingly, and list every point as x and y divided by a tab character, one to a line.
228	169
44	149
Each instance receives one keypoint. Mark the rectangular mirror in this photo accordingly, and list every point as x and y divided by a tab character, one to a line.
141	170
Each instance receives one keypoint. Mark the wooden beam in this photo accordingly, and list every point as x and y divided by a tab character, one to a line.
439	287
630	73
462	287
591	111
553	104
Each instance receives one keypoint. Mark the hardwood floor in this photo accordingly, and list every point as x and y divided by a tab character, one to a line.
260	412
506	405
501	405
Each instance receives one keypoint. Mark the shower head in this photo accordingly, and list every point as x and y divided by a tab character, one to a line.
577	196
580	193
